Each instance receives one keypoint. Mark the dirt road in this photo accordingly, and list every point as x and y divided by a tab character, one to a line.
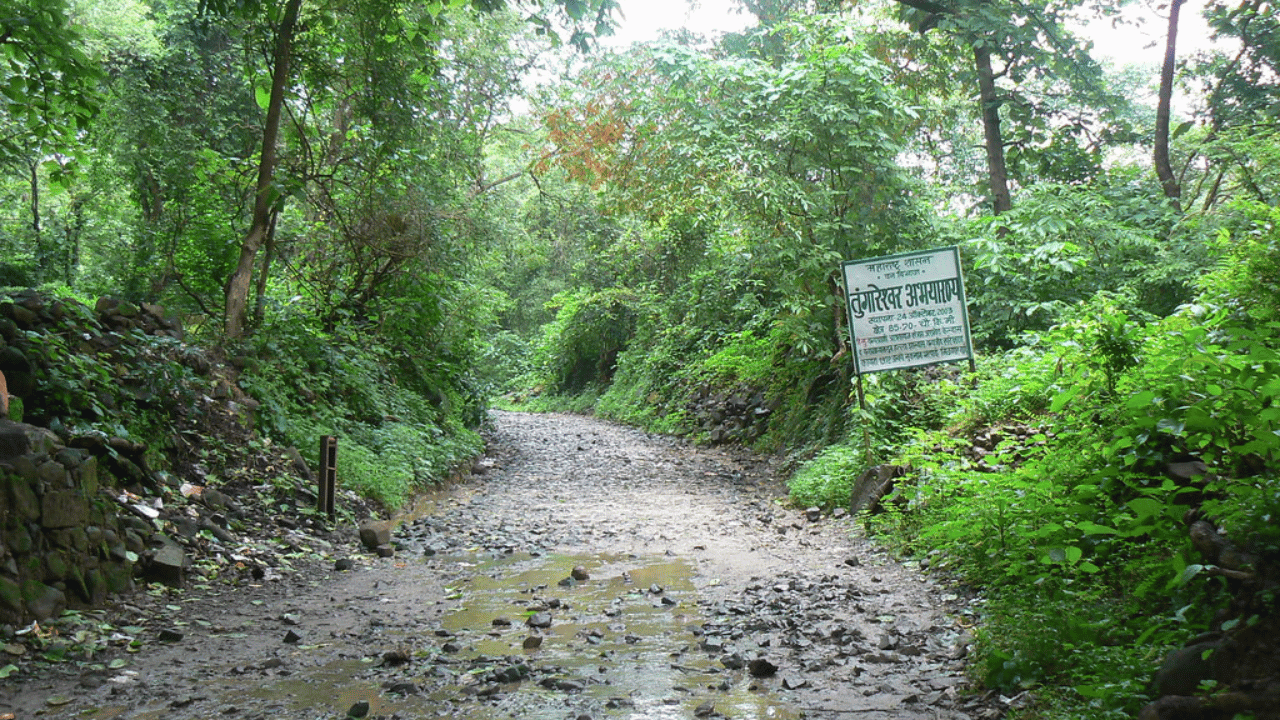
588	570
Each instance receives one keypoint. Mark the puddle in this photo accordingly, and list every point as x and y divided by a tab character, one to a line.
623	641
625	637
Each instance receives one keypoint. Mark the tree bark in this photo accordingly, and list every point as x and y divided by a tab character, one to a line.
268	254
36	229
1164	168
239	284
997	174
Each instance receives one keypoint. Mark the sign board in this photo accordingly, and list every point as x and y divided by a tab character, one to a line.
907	310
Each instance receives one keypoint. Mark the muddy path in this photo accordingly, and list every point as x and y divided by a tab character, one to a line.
587	570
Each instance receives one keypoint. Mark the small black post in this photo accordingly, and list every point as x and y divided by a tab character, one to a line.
328	479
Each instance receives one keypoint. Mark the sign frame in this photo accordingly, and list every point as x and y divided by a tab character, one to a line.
907	310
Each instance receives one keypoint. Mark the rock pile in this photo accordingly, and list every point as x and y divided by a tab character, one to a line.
1001	447
55	339
739	415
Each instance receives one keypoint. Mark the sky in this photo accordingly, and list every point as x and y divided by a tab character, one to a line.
644	19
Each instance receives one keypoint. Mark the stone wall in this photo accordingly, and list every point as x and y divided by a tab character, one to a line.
61	541
64	540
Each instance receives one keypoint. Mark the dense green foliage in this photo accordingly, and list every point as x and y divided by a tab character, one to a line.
1075	529
655	236
366	321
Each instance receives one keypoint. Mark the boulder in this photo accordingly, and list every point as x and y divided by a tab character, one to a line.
10	601
168	562
1186	668
375	533
43	602
871	487
13	439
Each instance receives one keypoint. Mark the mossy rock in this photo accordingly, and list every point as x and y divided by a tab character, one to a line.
118	578
55	567
10	600
23	501
42	601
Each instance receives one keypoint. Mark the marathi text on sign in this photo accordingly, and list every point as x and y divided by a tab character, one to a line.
907	310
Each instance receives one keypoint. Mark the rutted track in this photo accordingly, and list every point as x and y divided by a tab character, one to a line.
703	596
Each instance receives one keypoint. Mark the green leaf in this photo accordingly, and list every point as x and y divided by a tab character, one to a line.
1187	574
1146	507
263	96
1140	400
1069	555
1092	528
1061	399
1198	419
1091	691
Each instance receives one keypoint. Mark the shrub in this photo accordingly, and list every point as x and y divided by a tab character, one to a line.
401	421
827	480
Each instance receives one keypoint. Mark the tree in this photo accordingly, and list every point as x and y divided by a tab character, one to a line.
579	13
1243	92
264	200
179	123
789	160
1020	44
1164	169
50	85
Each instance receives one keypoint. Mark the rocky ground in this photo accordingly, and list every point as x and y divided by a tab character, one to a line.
584	570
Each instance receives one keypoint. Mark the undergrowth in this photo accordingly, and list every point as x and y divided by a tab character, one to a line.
400	426
1075	532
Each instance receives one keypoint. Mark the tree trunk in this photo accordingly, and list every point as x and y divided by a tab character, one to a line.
997	175
74	231
268	254
239	284
36	229
1164	168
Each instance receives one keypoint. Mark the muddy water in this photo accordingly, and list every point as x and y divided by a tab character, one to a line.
628	633
695	567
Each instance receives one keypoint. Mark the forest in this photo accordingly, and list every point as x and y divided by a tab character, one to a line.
391	216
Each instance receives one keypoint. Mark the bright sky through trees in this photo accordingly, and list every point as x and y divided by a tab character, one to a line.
645	19
1142	43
